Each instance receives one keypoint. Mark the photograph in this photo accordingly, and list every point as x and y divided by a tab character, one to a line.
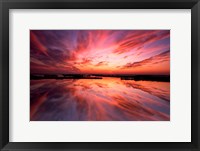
99	75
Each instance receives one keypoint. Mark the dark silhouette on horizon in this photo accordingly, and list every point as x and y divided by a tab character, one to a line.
162	78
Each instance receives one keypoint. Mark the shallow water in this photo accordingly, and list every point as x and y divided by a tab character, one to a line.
107	99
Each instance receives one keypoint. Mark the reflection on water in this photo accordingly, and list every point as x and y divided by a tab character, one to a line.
107	99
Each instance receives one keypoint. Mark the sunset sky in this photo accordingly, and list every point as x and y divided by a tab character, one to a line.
100	52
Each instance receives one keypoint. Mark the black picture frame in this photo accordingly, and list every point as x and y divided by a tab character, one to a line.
5	5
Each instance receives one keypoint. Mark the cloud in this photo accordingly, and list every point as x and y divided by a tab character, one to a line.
162	57
138	41
101	63
36	45
82	50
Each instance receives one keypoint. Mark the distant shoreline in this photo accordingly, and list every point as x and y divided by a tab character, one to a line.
161	78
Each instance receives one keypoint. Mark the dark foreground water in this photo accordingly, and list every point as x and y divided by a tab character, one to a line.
107	99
